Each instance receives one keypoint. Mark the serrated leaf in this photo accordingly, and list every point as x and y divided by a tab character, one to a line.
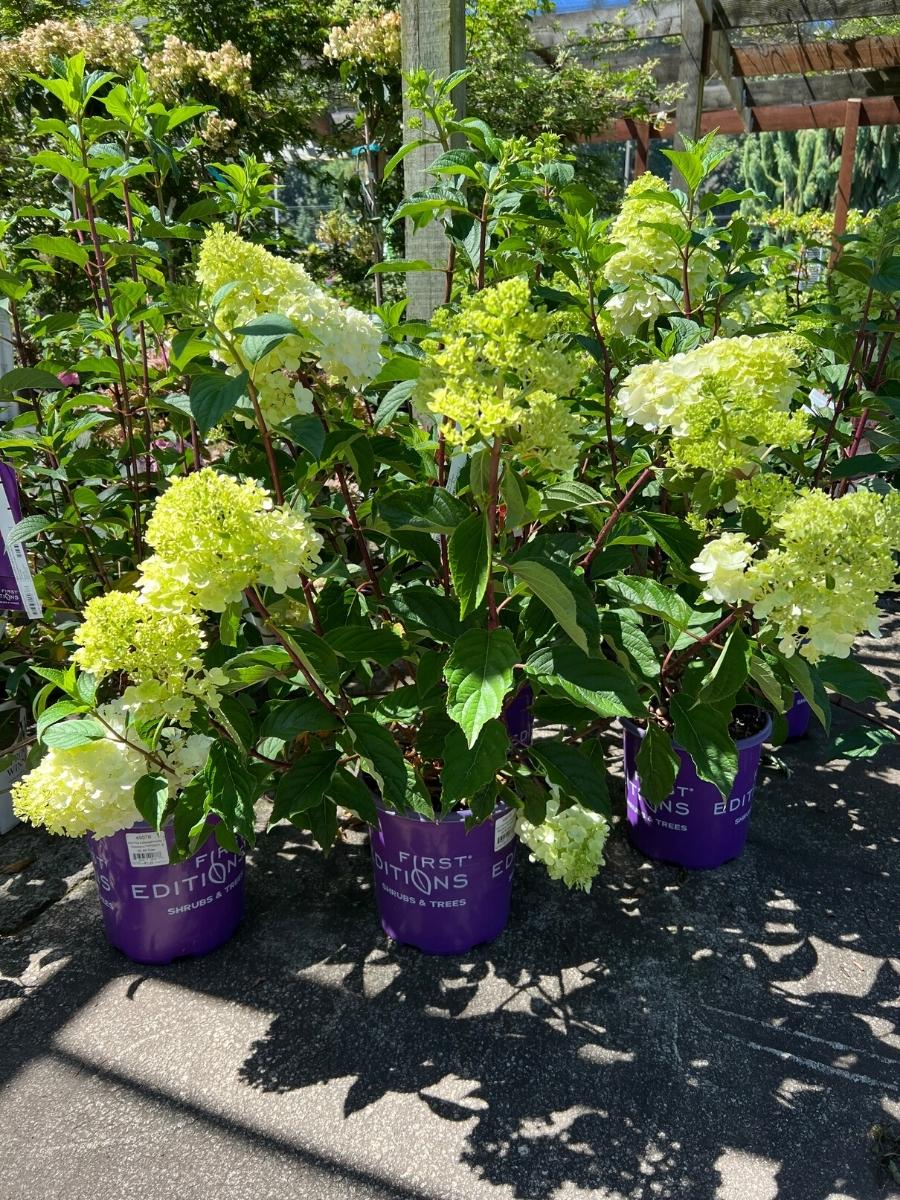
470	562
151	798
601	686
729	672
230	789
360	643
657	765
574	774
65	735
303	786
382	757
567	597
349	791
807	682
429	509
21	379
479	674
702	731
862	742
213	395
850	678
422	607
56	712
466	771
648	596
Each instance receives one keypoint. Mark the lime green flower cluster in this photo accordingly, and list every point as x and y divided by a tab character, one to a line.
569	843
648	251
819	585
158	650
214	537
342	341
90	788
726	403
496	369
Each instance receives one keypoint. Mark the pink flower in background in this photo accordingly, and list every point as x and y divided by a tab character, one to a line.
68	378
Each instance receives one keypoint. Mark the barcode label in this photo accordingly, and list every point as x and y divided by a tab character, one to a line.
504	830
147	849
18	561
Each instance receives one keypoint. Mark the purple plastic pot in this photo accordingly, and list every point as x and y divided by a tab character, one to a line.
694	827
10	596
519	717
155	911
797	717
439	887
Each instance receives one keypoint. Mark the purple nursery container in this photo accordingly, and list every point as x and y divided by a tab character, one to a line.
519	717
440	887
155	911
694	827
797	717
10	596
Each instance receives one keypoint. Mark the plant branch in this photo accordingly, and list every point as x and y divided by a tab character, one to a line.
642	480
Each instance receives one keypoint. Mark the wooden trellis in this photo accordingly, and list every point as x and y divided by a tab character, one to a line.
744	66
748	66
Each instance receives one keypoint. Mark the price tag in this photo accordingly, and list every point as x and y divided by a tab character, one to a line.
18	561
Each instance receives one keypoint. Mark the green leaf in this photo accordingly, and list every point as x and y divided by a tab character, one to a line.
263	334
65	735
151	798
479	674
702	731
676	538
288	718
864	464
657	765
430	509
349	791
767	682
729	672
56	712
395	159
58	247
21	379
230	789
252	666
230	623
466	771
850	678
574	774
27	528
360	643
422	607
624	633
396	265
807	682
383	758
214	394
601	686
648	596
470	562
862	742
304	785
562	497
567	597
308	432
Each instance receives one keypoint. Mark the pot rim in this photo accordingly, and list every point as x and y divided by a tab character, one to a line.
453	817
745	743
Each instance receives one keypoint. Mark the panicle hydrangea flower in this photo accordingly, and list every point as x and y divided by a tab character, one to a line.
726	402
647	251
373	40
158	649
214	537
90	788
819	585
112	45
121	632
569	843
497	369
341	340
722	565
178	63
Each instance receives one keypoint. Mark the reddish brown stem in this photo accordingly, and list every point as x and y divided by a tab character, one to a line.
295	658
642	480
358	531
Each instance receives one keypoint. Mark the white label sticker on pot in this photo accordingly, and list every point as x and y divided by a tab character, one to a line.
504	830
147	849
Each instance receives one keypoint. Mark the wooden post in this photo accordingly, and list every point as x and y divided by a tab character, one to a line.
845	176
434	37
642	143
696	16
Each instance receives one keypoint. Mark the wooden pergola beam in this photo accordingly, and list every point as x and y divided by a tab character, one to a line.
802	58
883	110
745	14
845	175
